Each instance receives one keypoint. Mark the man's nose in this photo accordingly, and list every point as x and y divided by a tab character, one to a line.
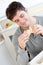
22	20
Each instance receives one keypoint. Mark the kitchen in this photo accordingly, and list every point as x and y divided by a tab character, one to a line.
7	52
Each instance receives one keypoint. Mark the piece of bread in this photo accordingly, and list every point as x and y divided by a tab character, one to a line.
29	31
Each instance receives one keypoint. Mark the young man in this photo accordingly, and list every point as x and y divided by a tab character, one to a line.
27	45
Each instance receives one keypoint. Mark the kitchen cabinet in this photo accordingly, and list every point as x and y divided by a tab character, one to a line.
7	49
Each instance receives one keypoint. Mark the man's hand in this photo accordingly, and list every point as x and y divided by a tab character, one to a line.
23	38
38	29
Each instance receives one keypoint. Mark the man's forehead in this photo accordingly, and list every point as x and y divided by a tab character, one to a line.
18	13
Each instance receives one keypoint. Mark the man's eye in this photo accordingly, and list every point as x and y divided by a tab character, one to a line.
22	15
17	20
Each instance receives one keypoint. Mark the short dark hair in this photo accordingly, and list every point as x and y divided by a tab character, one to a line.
13	8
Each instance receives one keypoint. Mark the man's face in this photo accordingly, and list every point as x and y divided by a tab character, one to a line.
21	18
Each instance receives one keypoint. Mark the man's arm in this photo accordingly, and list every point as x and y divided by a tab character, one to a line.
21	55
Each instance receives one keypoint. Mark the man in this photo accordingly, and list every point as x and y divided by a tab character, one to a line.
27	45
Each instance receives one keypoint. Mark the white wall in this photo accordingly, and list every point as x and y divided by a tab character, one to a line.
26	3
